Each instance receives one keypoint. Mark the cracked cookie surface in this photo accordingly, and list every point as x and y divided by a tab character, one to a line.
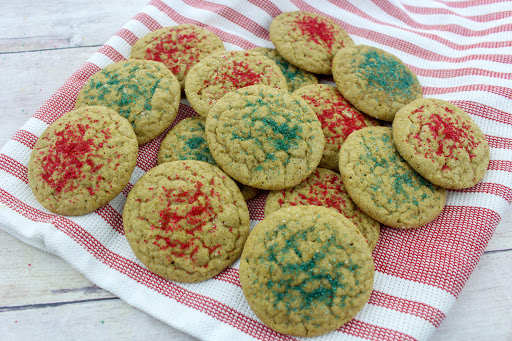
306	270
178	47
82	160
265	137
223	72
295	77
338	118
325	188
375	81
308	40
187	141
144	92
383	184
186	220
441	142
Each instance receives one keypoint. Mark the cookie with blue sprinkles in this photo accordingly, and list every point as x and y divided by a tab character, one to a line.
383	184
265	137
295	77
306	270
187	141
375	81
144	92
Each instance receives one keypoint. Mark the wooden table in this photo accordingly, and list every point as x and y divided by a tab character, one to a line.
42	297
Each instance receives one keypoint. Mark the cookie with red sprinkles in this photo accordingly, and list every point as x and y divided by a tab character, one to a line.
178	47
306	270
186	220
338	117
223	72
441	142
308	40
82	161
375	81
264	137
325	188
295	76
144	92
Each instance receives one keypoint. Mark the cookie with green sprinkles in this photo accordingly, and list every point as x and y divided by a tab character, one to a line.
82	161
144	92
187	141
375	81
223	72
308	40
383	184
265	137
306	270
178	47
441	142
338	117
186	220
295	77
325	188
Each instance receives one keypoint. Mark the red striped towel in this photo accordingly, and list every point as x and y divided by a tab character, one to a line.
460	51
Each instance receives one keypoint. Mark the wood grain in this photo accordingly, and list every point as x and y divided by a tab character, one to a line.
42	297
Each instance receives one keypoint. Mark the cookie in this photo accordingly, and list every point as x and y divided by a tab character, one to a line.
82	161
441	142
223	72
325	188
295	77
383	184
187	141
306	270
186	220
338	117
178	47
265	137
144	92
307	40
375	81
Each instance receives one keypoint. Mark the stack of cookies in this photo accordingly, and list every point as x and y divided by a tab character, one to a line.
335	162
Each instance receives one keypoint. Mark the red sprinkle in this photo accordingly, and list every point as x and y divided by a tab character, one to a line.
317	30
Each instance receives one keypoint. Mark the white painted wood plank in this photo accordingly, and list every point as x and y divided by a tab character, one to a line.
100	320
30	276
33	25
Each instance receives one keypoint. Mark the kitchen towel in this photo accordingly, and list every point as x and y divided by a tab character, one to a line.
461	52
